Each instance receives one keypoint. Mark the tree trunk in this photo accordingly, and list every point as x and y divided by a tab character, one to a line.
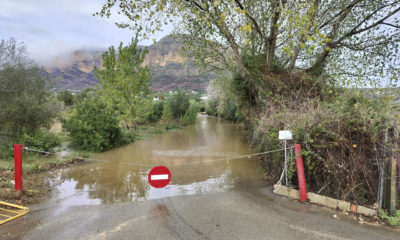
270	43
235	47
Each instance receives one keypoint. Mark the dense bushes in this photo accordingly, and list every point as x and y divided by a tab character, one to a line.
340	143
25	102
230	110
178	107
225	108
202	106
340	129
40	139
27	108
211	107
93	126
167	112
178	103
190	115
66	97
157	111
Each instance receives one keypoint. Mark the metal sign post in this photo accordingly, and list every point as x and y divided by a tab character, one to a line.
285	135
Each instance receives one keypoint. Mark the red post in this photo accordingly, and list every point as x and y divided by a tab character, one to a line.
300	173
18	166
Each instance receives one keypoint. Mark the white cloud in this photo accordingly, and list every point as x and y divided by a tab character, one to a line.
49	28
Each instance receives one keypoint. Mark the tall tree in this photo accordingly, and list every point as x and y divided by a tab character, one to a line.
125	82
24	98
349	38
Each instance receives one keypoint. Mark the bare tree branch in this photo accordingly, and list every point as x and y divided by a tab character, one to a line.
391	25
354	31
257	27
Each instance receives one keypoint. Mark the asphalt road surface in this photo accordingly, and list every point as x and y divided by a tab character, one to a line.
250	213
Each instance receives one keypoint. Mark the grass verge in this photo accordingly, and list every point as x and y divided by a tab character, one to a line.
393	219
35	188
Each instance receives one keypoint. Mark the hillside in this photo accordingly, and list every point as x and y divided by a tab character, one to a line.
170	69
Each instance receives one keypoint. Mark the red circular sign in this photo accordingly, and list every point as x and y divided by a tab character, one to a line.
159	177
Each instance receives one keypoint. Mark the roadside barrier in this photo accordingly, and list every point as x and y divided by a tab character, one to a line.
148	165
10	211
18	160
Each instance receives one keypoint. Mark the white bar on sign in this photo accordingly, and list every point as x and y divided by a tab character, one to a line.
159	177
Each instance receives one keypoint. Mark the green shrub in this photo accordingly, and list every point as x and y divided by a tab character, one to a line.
40	139
179	103
167	112
144	113
129	135
226	108
230	111
6	149
190	115
93	126
88	92
66	97
211	107
157	111
29	104
202	107
393	220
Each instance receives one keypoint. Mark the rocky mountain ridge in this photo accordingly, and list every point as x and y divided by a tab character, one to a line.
170	68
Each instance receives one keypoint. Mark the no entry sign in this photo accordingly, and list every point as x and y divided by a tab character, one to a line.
159	177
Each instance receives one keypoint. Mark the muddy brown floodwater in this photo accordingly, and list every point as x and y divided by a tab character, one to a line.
192	154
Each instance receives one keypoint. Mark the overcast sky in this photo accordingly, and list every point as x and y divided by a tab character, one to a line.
51	28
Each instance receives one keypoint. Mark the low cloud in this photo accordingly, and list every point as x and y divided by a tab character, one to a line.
54	28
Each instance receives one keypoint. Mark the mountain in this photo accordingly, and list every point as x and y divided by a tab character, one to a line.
170	68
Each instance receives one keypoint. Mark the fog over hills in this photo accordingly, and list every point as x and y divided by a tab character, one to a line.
170	68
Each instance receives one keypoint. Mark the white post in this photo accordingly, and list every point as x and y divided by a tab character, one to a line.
285	135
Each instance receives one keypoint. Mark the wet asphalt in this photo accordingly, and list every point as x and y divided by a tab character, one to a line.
250	213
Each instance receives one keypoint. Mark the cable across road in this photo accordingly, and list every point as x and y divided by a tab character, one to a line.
148	165
85	158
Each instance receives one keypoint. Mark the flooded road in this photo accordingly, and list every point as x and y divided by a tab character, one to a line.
209	197
192	154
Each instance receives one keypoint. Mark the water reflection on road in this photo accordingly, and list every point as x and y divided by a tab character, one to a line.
186	152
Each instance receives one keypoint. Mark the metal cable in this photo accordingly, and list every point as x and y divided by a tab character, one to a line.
87	159
232	158
148	165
